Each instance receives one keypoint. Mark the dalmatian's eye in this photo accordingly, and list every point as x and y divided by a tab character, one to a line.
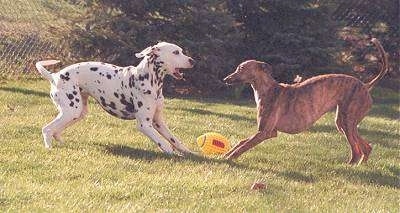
176	52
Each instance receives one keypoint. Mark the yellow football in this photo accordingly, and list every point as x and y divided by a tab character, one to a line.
213	143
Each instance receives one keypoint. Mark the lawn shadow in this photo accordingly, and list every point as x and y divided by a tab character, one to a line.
248	102
370	177
234	117
24	91
148	155
297	176
383	110
365	133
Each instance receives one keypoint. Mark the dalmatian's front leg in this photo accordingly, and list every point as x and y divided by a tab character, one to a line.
146	128
161	127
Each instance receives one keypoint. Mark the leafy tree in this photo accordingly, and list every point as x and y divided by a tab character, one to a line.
207	32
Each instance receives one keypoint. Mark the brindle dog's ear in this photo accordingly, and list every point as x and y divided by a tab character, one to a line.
266	67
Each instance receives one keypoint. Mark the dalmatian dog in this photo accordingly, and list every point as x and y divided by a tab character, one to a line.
125	92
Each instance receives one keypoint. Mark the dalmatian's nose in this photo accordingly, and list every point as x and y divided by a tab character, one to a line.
191	61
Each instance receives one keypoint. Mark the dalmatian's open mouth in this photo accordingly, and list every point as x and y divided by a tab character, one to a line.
177	74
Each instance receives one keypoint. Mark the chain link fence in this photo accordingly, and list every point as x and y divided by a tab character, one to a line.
28	33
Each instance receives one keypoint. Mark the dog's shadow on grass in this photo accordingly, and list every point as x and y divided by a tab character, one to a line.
352	174
148	155
368	134
370	177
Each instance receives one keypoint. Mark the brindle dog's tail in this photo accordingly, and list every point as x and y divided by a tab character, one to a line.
384	66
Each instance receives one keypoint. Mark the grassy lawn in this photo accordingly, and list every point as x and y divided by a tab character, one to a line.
107	165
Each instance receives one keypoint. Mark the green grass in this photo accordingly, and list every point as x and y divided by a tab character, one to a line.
107	165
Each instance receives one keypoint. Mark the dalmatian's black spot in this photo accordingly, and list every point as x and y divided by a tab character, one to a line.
148	108
103	101
159	144
115	71
116	95
173	141
63	77
75	92
142	84
141	78
80	89
122	96
147	119
67	73
70	96
130	107
71	104
77	100
74	87
108	76
146	76
98	81
140	104
148	92
112	105
131	81
157	125
99	90
94	69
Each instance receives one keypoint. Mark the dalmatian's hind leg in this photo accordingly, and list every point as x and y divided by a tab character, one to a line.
84	100
70	107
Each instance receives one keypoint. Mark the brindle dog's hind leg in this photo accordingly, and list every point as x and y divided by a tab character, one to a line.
360	106
354	111
339	120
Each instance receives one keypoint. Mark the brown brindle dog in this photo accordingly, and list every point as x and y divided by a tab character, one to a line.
294	108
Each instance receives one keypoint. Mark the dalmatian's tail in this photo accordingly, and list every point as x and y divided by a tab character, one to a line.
43	71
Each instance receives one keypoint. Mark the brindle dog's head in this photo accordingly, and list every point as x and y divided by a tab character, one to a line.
248	72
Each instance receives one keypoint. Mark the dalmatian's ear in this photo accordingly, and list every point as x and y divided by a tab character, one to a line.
144	52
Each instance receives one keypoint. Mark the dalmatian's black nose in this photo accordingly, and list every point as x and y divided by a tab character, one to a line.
191	61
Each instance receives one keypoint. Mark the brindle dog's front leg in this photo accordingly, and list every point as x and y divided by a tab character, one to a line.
253	141
236	147
266	129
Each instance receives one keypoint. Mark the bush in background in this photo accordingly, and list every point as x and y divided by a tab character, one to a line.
298	37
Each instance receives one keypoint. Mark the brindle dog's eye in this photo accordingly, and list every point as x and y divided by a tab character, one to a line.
176	52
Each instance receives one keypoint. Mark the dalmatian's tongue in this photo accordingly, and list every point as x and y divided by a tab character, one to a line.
177	74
